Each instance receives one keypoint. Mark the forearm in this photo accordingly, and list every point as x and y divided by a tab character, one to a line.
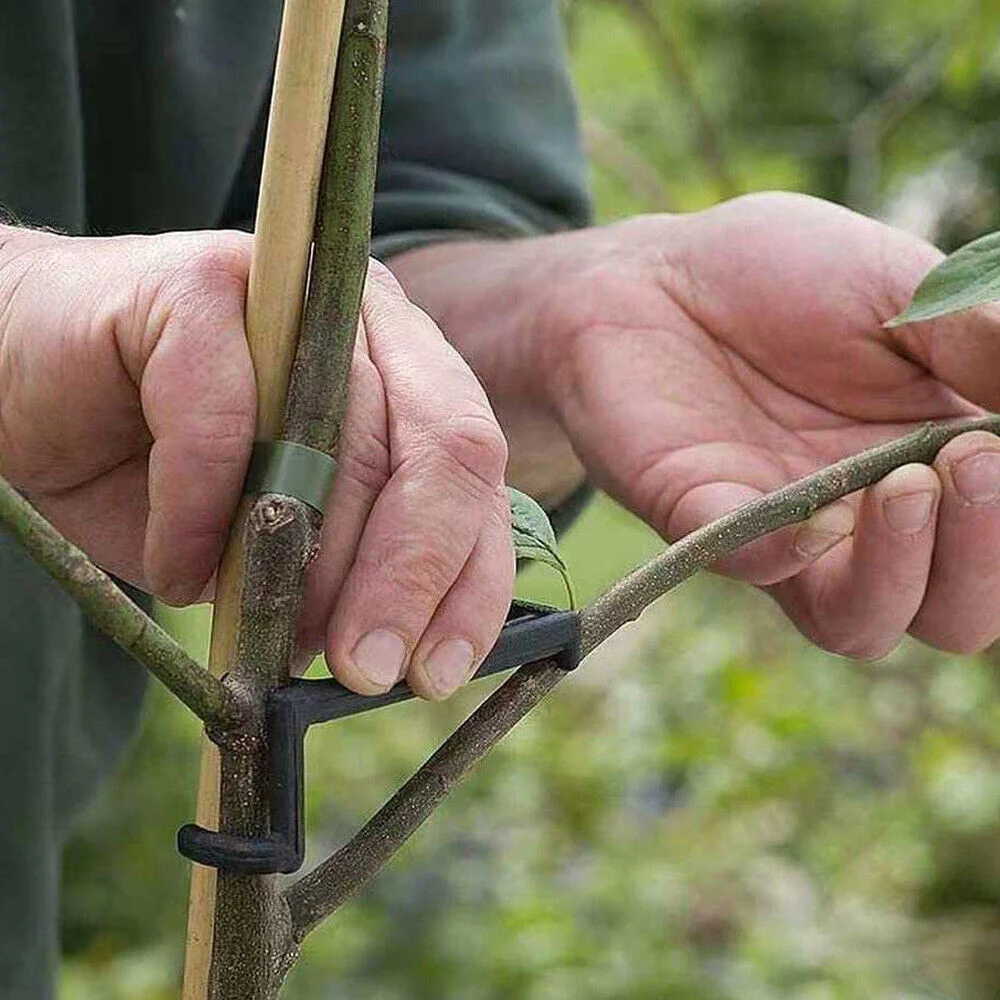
488	298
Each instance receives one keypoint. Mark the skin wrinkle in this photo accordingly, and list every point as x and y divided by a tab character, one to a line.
655	497
361	465
473	443
40	471
10	375
178	283
432	438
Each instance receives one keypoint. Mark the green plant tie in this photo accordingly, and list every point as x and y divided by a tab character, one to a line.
291	470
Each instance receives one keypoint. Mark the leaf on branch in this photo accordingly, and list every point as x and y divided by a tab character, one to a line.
970	277
534	538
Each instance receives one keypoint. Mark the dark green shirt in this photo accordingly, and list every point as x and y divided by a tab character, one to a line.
118	116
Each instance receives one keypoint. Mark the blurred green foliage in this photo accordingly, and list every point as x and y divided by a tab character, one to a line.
711	809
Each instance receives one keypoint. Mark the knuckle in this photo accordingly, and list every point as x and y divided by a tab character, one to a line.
199	272
221	257
474	446
222	439
420	572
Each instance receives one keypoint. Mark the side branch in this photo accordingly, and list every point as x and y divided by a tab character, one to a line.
337	879
794	503
315	896
112	612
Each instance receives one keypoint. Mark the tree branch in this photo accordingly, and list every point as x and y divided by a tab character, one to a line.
674	66
318	395
610	150
113	613
876	122
797	502
337	879
253	947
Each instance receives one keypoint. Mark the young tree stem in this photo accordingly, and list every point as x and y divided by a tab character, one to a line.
318	395
253	944
115	614
336	880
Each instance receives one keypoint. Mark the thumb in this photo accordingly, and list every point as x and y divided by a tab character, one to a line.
963	349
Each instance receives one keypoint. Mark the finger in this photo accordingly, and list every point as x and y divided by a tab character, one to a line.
420	534
776	556
468	621
448	458
962	350
859	599
363	470
961	611
199	398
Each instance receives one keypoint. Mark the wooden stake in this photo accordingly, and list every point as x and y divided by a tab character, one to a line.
307	54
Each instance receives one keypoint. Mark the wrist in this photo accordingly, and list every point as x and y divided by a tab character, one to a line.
491	299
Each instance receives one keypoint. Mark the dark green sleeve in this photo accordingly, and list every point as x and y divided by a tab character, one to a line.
479	124
70	704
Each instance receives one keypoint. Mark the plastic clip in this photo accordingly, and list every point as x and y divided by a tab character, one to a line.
533	633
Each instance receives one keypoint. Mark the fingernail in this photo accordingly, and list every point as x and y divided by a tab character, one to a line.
909	513
977	477
449	665
823	530
381	656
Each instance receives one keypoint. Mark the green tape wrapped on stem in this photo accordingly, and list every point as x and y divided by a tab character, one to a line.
291	470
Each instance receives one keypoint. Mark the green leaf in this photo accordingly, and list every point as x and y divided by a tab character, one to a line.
969	277
534	538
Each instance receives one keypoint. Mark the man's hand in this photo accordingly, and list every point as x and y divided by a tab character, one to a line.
127	407
696	362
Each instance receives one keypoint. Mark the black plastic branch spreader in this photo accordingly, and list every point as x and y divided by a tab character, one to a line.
533	633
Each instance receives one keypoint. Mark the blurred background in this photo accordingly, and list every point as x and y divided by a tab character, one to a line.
711	809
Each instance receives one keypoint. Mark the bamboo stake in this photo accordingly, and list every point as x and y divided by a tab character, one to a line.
307	53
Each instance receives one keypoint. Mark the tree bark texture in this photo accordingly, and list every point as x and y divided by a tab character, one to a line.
253	947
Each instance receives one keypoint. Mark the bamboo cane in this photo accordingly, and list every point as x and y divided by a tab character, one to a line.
307	53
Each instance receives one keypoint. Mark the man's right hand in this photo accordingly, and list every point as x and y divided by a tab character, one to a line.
127	410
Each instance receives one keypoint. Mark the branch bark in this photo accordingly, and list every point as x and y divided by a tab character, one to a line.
336	880
308	45
114	614
792	504
318	396
253	947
